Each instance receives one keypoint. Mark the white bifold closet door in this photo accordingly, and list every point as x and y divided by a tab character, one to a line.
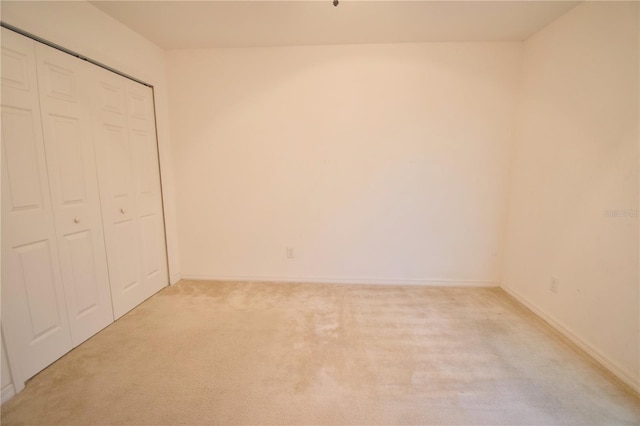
129	188
82	223
65	99
34	311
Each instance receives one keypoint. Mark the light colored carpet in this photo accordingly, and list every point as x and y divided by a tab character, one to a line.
256	353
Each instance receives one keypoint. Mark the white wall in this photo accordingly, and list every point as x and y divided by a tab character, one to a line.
576	162
376	163
81	27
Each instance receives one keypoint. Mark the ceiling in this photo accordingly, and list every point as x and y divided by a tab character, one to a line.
182	24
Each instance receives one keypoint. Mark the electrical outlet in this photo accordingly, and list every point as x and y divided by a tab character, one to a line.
290	253
554	285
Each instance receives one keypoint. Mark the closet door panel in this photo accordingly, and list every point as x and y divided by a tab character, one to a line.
20	147
69	143
125	235
34	311
151	249
142	134
117	190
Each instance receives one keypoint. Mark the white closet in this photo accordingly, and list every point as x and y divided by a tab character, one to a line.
82	225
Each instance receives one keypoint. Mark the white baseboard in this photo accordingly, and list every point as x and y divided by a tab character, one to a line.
616	370
8	392
347	280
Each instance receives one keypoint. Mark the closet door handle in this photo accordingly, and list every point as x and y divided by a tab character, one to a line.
123	211
76	219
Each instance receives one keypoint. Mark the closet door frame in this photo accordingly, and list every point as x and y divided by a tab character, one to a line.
18	377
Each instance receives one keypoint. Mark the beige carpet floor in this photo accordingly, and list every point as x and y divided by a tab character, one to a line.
277	353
